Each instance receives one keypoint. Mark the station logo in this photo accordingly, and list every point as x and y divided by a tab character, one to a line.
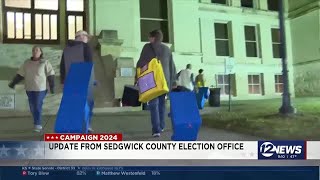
282	150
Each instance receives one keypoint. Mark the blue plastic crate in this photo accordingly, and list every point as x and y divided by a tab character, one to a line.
76	106
201	100
205	91
185	116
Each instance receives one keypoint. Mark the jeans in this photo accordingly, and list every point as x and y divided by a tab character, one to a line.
157	109
35	103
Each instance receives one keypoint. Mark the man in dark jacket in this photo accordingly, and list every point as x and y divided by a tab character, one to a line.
77	51
157	49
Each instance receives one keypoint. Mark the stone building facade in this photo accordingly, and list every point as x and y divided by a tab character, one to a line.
204	33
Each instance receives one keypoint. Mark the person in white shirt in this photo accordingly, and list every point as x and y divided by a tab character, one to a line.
36	73
186	79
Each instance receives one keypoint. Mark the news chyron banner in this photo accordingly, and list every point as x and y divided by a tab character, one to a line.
111	146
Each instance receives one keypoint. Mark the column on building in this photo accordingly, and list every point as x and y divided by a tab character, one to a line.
239	52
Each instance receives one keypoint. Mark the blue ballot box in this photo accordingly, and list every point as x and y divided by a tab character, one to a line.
202	96
201	100
205	91
77	103
185	116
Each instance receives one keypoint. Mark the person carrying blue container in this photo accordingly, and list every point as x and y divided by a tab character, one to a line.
200	80
36	73
186	79
77	51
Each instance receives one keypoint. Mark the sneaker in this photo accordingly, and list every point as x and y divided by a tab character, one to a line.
37	128
162	130
156	135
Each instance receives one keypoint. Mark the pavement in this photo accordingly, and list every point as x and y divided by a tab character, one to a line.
135	126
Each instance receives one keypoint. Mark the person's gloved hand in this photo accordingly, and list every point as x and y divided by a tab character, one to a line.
95	83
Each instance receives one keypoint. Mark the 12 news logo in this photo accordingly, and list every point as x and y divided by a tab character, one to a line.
281	150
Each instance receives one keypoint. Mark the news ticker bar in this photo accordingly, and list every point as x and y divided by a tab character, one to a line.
111	146
141	173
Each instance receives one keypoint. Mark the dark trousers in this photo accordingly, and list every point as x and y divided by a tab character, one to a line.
35	103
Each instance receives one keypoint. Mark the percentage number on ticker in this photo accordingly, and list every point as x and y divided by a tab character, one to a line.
81	173
155	173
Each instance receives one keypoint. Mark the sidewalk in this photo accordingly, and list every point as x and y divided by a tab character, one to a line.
53	112
135	126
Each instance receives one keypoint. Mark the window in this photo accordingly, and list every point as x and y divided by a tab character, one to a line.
75	17
247	3
252	44
254	84
276	42
219	1
222	39
154	15
273	5
223	83
31	21
278	83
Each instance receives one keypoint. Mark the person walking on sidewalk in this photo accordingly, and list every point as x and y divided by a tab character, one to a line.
200	80
36	73
186	79
155	48
77	51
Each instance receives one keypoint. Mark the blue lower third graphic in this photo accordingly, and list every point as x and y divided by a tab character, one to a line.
154	173
21	150
282	150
